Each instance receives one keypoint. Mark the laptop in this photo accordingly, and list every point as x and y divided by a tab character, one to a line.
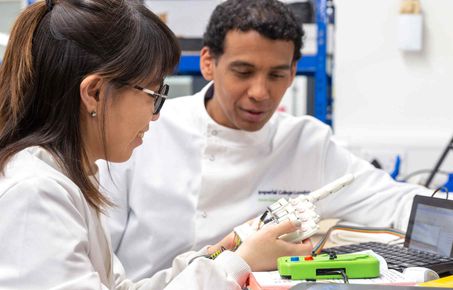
428	242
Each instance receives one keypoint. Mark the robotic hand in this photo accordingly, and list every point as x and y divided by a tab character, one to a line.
300	208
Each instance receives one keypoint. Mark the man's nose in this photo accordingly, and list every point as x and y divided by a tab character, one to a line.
259	89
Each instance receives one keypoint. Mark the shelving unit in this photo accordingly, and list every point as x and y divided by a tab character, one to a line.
313	66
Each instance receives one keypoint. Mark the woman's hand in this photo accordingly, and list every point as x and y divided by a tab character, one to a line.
263	248
229	242
226	243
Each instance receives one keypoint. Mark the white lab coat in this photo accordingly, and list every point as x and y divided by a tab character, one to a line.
196	179
51	238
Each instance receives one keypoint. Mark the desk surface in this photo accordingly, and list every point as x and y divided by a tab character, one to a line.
342	238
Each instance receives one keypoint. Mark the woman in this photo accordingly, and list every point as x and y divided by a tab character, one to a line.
80	81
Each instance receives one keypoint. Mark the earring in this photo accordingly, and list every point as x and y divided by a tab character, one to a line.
93	114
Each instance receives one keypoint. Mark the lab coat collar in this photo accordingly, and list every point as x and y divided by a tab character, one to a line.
228	135
43	155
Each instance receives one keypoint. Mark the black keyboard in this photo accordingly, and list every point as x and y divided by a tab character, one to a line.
399	258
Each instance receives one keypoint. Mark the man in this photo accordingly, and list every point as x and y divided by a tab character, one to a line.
219	157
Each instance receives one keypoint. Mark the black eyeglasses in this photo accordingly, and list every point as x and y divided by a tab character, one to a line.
159	97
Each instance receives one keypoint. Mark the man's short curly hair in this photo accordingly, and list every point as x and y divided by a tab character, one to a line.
271	18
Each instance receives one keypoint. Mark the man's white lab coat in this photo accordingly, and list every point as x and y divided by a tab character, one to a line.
50	237
196	180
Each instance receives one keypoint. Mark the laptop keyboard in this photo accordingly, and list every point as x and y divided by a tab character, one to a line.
397	257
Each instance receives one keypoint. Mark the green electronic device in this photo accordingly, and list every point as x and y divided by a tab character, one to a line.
328	266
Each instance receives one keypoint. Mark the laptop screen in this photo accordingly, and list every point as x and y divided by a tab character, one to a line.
431	226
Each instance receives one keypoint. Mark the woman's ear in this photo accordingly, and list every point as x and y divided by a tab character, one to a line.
207	63
89	93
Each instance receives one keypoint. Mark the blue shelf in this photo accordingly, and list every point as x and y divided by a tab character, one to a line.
310	65
307	65
323	81
190	65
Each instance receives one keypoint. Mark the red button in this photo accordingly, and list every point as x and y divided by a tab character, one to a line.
308	258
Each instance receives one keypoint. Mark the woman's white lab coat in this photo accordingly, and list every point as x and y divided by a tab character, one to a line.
50	237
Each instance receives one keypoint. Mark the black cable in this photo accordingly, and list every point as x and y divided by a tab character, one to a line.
196	257
263	216
264	219
439	162
345	277
338	272
442	187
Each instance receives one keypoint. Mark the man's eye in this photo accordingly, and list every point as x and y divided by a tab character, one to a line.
242	73
277	76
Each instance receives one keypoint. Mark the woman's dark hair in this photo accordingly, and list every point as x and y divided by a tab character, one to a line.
51	49
270	18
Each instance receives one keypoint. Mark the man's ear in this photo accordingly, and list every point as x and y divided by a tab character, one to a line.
207	63
293	70
89	92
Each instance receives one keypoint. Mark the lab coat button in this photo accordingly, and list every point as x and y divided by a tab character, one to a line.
214	133
204	214
212	158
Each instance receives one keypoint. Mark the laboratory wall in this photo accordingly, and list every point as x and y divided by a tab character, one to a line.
389	101
9	9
